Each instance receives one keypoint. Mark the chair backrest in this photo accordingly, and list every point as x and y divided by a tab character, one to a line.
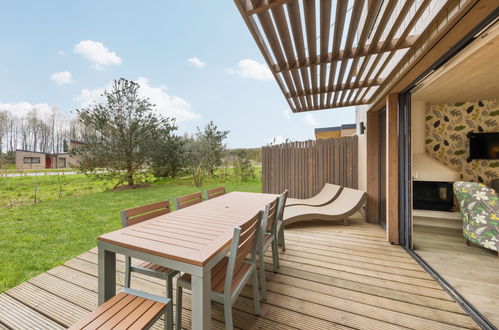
215	192
138	214
282	203
244	242
269	218
187	200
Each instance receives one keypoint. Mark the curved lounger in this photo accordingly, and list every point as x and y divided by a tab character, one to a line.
347	203
328	194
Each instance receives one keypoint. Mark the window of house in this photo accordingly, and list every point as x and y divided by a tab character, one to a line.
61	162
31	160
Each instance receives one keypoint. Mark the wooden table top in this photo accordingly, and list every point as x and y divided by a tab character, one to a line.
195	234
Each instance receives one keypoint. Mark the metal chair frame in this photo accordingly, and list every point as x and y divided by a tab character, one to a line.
229	295
268	230
136	215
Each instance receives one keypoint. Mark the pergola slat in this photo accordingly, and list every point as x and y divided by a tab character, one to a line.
274	43
303	49
339	23
294	17
309	10
281	24
370	20
404	34
324	42
354	24
251	24
377	35
396	25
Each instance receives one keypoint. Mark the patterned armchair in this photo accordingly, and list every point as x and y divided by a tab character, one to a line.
480	211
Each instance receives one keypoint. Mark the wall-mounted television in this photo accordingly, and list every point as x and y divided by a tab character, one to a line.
484	145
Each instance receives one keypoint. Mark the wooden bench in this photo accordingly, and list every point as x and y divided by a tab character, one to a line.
215	192
129	309
187	200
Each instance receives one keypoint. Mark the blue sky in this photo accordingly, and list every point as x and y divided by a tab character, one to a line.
64	53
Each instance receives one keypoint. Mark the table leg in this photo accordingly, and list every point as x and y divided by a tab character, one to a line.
201	302
107	274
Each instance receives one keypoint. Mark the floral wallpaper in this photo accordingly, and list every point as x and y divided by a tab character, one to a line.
447	129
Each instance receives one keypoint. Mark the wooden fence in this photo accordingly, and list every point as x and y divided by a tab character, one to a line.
304	167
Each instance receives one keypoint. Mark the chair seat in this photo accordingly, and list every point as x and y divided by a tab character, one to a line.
218	275
154	267
123	311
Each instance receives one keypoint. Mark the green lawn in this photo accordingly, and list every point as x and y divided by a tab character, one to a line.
17	191
37	237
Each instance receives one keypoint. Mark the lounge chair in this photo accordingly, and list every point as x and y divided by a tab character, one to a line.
347	203
328	193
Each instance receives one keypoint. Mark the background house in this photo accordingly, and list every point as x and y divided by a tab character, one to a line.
35	160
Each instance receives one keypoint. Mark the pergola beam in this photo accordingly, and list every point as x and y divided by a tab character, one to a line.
394	45
336	88
267	6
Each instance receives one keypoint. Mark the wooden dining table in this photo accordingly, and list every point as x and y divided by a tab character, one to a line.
191	240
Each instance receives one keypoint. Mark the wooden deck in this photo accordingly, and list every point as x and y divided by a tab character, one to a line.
331	277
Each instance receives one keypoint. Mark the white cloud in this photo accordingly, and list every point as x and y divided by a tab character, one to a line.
276	140
286	113
23	108
166	104
98	54
61	52
195	61
61	78
248	68
310	120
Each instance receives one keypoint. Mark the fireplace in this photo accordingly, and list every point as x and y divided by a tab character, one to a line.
433	195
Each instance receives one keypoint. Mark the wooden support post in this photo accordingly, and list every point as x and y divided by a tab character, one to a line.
373	154
392	169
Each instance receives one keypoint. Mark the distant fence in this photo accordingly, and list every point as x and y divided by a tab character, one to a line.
304	167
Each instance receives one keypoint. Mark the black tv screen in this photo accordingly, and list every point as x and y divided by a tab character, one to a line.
484	145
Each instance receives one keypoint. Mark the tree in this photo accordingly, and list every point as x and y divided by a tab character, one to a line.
243	168
212	139
121	133
167	157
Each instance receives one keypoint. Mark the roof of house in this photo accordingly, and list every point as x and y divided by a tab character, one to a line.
336	128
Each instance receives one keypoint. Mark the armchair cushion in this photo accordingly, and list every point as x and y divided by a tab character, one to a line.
480	211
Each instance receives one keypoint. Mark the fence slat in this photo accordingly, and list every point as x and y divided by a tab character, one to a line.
304	167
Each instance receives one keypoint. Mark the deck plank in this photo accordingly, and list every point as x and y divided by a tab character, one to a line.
16	315
331	277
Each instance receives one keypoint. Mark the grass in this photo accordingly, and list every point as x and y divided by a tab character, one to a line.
37	237
17	191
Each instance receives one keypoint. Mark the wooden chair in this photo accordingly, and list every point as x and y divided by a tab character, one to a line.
187	200
267	238
129	309
215	192
231	274
136	215
280	215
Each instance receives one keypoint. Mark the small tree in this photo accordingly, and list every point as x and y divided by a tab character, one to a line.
213	140
243	168
121	133
167	158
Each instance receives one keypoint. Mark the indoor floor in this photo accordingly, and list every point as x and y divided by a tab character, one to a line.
472	271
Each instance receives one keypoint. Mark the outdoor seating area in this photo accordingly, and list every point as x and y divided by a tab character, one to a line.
330	277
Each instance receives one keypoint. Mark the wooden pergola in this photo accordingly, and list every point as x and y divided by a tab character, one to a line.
329	54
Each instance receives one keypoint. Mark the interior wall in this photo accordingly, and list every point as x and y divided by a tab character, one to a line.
447	129
418	137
